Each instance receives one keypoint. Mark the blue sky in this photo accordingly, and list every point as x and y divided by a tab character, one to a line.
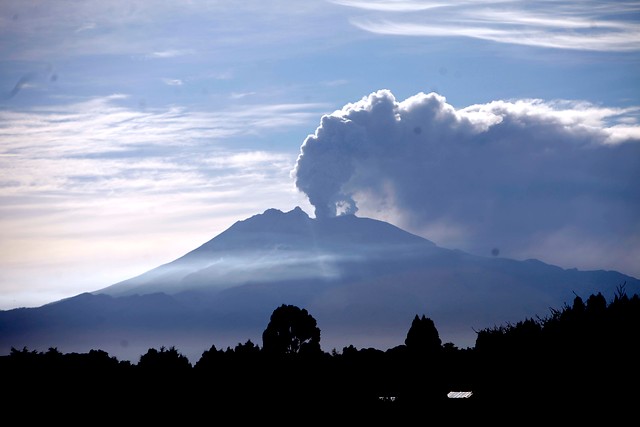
132	132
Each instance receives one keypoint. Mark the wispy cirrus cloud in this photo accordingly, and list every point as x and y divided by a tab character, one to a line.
86	27
81	181
578	25
172	82
103	124
170	53
392	6
158	30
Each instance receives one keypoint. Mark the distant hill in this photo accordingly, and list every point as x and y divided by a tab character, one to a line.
363	280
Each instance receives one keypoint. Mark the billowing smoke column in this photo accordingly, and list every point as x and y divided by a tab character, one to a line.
525	175
352	143
371	141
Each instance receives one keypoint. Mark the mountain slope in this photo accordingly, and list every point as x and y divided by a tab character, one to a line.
363	280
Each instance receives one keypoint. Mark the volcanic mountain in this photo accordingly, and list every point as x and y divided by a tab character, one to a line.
363	280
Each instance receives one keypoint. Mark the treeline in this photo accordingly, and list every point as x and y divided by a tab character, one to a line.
588	351
584	352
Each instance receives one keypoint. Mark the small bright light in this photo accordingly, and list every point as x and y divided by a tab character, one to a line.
459	394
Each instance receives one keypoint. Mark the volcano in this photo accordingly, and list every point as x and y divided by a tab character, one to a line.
363	280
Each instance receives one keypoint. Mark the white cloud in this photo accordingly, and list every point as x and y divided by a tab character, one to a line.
171	53
509	174
580	25
173	82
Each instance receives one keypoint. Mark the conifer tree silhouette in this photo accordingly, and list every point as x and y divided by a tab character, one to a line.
423	336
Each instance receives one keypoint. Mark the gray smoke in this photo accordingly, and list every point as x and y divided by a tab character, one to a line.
525	176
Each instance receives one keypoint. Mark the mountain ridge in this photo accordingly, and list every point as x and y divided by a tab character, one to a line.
362	279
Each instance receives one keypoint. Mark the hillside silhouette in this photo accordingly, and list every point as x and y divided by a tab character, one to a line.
585	353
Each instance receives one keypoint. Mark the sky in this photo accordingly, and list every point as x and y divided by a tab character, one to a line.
133	132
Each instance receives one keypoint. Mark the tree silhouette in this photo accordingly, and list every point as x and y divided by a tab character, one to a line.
584	351
422	370
210	359
291	330
246	349
423	336
166	359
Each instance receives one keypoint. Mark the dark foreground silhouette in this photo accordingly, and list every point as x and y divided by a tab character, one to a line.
579	362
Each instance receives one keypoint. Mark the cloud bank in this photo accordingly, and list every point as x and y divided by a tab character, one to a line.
551	180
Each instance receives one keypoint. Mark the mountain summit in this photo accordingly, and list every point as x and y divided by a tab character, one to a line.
363	280
276	245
